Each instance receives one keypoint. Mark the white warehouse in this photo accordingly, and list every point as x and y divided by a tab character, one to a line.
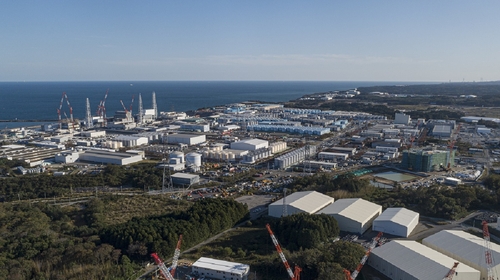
250	144
410	260
332	156
188	139
353	214
396	221
300	202
465	247
219	269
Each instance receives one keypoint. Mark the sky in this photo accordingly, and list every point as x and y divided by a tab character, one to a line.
249	40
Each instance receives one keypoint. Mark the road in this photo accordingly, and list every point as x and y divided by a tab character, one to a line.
438	228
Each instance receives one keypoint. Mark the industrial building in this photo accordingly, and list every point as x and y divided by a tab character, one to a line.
67	157
185	179
188	139
219	269
106	157
442	130
426	161
332	156
410	260
349	151
466	248
353	214
293	157
131	141
300	202
31	155
396	221
250	144
401	118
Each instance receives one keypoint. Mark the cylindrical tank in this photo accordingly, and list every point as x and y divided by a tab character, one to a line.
179	155
194	158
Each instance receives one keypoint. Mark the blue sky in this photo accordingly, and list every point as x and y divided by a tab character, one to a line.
250	40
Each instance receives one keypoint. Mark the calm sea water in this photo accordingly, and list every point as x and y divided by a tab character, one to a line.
40	100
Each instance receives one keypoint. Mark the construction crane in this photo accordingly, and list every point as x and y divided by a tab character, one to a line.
487	251
101	109
451	273
177	253
452	144
294	275
161	265
354	274
64	96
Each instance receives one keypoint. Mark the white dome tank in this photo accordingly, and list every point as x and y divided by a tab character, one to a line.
179	155
194	158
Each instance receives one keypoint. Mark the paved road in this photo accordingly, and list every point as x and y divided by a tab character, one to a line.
437	228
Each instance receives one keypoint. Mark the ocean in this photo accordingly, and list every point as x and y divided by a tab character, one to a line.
40	100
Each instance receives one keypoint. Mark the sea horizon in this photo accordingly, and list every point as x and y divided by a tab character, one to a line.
39	100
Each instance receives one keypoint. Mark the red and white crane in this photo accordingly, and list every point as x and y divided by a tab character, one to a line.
451	273
101	109
355	273
161	265
293	275
487	251
59	110
177	253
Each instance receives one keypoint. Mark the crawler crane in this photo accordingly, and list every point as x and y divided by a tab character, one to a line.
294	275
348	275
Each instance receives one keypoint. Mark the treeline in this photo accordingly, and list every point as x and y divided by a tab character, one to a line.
308	241
207	217
41	241
304	231
140	176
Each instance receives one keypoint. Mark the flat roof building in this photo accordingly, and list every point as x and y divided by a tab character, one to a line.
105	157
185	179
353	214
250	144
410	260
396	221
188	139
219	269
300	202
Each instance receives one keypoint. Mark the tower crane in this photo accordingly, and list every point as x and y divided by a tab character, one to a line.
487	251
177	253
294	275
161	265
373	244
451	273
101	109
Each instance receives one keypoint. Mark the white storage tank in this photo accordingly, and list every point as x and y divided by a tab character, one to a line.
179	155
194	158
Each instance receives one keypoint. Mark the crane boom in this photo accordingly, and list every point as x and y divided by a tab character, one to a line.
487	251
451	273
177	253
355	273
280	252
161	265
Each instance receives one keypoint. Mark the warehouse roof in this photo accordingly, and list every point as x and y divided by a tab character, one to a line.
253	141
187	136
353	208
184	175
418	260
400	216
220	265
310	201
466	245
